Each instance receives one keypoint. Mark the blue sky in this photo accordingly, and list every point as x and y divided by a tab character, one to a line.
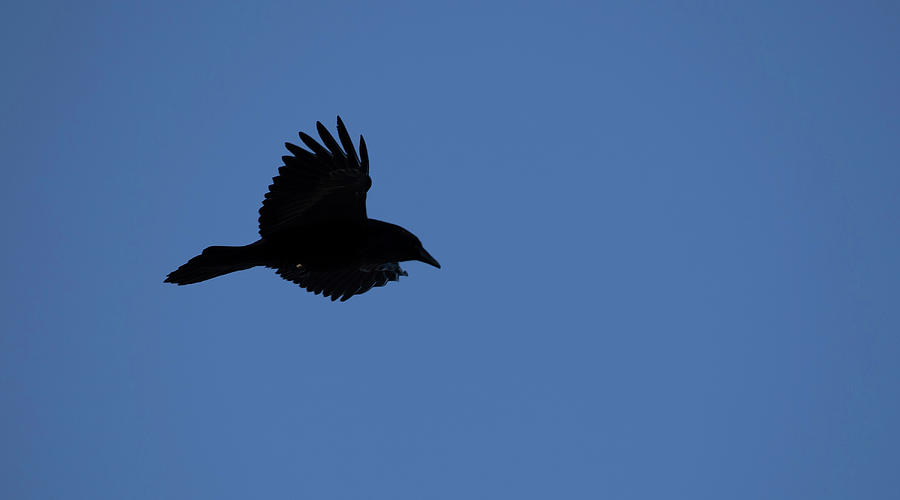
668	231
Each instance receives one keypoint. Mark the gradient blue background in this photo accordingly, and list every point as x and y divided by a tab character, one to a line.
669	237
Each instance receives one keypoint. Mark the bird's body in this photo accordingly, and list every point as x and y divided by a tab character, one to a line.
314	228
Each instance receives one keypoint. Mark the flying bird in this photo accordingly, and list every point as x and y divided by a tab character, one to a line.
313	226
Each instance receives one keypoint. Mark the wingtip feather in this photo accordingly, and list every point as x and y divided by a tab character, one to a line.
363	154
329	141
349	148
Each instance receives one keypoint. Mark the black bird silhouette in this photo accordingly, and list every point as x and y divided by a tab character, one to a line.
314	228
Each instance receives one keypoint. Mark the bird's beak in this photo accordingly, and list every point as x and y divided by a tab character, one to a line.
426	257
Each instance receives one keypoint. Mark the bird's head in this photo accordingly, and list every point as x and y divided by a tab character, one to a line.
413	250
396	244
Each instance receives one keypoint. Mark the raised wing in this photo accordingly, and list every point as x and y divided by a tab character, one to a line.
342	284
325	184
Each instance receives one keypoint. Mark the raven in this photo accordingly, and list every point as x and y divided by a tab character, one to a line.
313	226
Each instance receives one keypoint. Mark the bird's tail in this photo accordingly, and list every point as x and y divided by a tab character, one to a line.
216	261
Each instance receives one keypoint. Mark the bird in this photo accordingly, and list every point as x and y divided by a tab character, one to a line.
313	226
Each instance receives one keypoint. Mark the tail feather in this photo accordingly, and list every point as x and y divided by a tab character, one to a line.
215	261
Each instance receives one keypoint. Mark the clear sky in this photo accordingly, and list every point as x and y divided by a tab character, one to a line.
668	230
